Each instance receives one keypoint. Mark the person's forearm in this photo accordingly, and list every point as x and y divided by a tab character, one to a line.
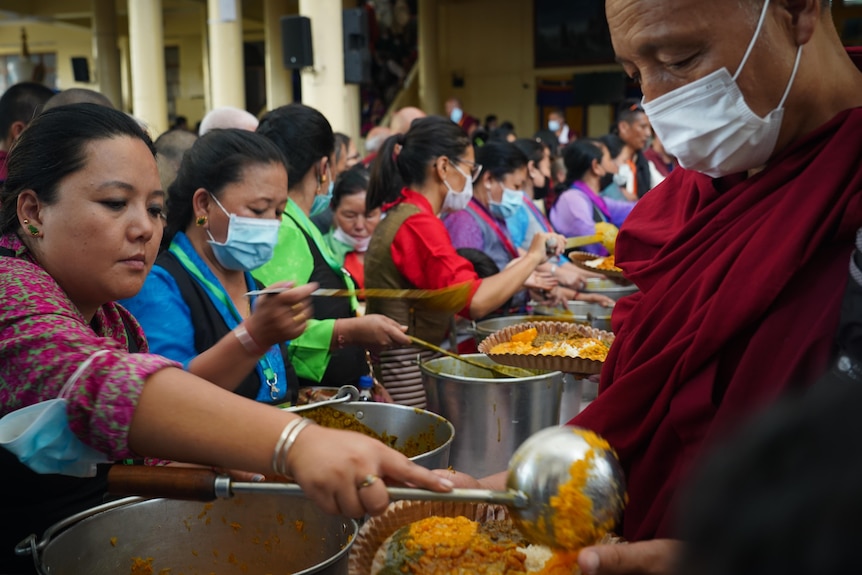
225	364
181	417
495	290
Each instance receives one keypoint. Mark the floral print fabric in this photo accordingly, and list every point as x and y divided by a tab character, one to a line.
43	340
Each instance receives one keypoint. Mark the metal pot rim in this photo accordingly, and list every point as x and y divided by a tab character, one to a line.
478	380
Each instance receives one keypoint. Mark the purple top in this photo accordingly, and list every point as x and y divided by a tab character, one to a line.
44	338
463	230
572	214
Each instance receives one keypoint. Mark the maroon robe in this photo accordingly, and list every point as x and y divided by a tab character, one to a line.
741	282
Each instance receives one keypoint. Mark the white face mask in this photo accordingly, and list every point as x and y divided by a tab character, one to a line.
709	127
456	201
358	244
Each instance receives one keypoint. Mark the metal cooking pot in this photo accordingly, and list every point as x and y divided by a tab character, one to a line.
432	433
492	417
609	288
486	327
250	534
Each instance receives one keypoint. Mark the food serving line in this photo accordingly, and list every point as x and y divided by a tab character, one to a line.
475	423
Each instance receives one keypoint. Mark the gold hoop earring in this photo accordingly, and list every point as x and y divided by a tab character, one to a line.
34	231
201	221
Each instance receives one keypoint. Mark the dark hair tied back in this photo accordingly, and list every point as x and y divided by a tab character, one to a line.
54	146
428	139
578	157
302	134
216	159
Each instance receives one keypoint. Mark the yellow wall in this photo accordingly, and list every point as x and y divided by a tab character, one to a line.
65	40
490	44
184	30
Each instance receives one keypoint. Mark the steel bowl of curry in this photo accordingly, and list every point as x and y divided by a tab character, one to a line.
424	437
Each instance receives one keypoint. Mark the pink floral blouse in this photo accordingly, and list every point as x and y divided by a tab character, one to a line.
43	340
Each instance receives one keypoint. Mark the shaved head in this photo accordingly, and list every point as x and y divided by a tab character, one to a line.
228	117
77	96
402	119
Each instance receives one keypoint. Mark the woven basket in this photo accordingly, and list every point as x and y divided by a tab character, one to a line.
546	362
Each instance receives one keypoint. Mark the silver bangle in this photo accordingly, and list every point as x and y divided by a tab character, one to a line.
281	467
282	439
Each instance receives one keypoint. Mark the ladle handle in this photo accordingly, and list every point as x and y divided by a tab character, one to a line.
580	241
467	360
514	499
200	484
186	483
345	393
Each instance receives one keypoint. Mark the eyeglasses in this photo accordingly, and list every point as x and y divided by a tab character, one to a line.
475	169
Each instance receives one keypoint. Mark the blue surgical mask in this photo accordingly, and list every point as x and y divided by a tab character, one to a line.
554	125
513	201
321	202
40	437
250	242
456	115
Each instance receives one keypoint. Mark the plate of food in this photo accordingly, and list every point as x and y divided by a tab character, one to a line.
593	263
550	345
432	537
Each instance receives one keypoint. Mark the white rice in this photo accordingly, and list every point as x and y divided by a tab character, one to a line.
537	556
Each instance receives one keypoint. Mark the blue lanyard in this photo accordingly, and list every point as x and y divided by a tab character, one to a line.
270	377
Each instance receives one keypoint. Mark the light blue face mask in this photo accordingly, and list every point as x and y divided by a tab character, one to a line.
40	437
554	125
321	202
250	242
456	115
513	201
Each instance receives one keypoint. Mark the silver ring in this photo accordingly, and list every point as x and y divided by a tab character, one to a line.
369	480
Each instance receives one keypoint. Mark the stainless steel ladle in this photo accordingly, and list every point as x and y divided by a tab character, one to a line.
536	471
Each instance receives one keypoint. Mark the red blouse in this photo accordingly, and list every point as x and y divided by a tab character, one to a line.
424	254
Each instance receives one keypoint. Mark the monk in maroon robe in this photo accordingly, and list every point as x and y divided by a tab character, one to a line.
741	272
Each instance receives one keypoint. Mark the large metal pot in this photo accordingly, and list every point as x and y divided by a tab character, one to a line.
609	288
417	427
486	327
492	417
251	534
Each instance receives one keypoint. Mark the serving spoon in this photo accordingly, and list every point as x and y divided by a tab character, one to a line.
537	470
606	234
500	370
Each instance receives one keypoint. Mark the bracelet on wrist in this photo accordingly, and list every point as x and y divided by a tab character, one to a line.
247	341
282	448
340	342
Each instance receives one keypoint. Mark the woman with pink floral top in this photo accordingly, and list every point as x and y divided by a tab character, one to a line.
80	226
